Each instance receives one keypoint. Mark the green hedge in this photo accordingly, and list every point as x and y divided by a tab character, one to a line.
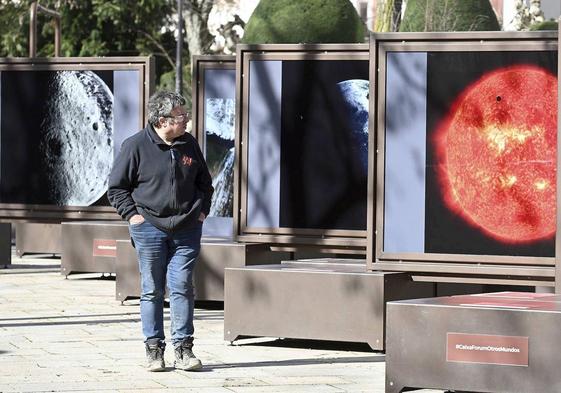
304	21
547	25
449	15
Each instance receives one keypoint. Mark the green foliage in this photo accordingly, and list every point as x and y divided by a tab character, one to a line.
93	28
13	42
547	25
449	15
167	82
298	21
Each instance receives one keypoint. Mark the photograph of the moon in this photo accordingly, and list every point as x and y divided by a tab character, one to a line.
491	153
56	144
219	146
78	137
324	144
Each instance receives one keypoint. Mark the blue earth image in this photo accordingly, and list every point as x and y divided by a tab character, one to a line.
355	97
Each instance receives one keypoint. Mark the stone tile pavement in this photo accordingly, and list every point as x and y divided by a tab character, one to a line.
71	335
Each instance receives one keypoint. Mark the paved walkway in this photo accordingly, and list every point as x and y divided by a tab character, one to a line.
72	335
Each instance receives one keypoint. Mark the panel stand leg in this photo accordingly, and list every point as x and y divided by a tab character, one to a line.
5	244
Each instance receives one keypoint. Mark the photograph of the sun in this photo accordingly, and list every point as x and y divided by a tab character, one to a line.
497	149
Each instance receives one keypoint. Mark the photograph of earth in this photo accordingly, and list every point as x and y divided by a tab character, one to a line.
56	137
491	153
324	144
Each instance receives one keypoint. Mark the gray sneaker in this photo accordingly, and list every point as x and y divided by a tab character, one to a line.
155	357
184	357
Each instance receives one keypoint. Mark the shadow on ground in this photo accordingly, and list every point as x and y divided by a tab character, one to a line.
310	344
296	362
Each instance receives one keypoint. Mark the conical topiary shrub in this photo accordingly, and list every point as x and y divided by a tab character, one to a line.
449	15
304	21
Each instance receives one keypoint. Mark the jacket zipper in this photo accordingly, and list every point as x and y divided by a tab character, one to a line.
173	185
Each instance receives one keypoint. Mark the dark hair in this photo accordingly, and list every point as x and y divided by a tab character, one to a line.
162	103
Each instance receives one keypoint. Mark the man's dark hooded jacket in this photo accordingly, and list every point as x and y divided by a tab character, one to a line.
169	185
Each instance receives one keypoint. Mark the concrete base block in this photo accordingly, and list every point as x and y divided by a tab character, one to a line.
42	238
497	342
215	256
90	246
337	300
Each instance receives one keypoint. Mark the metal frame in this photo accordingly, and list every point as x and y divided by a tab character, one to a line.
431	262
558	235
32	212
199	64
346	239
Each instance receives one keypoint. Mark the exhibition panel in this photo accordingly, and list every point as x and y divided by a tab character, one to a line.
69	116
302	132
465	129
213	108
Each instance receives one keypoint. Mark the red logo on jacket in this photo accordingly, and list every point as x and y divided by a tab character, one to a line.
186	160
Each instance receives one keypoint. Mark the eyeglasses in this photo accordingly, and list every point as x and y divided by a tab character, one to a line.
179	118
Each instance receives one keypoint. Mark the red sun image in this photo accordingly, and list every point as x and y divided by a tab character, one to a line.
497	154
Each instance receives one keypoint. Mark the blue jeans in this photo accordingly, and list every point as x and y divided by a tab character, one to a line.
167	257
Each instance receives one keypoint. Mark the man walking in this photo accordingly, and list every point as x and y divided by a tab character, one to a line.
161	185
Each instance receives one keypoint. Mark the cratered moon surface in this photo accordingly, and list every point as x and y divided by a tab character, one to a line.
77	145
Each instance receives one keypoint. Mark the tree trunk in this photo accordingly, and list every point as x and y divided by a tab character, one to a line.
198	37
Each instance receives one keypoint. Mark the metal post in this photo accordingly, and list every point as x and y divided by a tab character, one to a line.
179	47
33	29
56	23
33	9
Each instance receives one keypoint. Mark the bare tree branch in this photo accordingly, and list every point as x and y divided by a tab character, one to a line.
160	47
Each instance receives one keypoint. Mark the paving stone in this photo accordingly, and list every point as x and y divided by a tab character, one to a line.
71	335
284	388
181	390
